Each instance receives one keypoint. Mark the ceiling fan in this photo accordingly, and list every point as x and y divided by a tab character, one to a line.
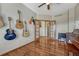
48	5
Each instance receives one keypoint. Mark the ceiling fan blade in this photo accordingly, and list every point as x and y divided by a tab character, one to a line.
41	4
48	6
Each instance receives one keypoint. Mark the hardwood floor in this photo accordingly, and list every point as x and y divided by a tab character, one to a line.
44	47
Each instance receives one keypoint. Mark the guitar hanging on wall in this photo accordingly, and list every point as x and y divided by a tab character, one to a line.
1	22
10	35
33	20
25	31
19	22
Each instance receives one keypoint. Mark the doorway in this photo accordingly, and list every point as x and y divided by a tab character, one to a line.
45	28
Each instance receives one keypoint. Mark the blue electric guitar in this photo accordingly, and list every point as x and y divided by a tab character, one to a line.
10	35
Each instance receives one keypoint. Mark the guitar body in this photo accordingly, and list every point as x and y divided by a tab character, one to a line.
25	33
10	35
19	24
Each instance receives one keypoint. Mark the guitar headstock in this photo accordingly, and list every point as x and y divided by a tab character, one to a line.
25	22
9	18
19	11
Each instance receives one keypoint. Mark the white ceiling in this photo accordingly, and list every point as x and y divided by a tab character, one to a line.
55	9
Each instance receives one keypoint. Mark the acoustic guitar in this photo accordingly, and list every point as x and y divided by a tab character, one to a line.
1	22
10	35
25	31
19	22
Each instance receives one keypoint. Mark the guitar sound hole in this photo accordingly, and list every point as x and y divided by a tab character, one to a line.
19	21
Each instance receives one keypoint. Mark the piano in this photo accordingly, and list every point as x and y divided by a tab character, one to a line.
74	46
75	42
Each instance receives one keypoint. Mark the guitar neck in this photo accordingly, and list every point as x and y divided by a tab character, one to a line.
19	17
19	13
26	27
10	24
